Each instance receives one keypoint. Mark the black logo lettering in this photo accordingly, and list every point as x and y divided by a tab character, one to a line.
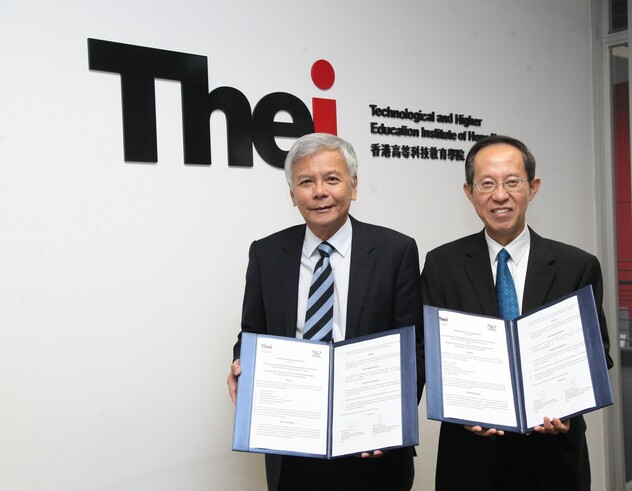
139	67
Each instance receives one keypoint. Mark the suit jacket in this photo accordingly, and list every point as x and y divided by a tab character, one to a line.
384	293
458	275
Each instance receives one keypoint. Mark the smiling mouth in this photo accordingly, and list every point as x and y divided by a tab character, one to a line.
501	211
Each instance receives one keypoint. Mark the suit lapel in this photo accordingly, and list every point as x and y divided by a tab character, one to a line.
289	271
361	269
540	274
478	270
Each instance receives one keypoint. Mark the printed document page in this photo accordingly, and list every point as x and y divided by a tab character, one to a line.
475	369
555	369
367	402
289	409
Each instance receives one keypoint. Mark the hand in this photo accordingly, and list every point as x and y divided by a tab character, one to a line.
373	455
553	427
486	432
235	371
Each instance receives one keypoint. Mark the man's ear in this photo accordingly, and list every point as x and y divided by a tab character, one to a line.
467	189
534	187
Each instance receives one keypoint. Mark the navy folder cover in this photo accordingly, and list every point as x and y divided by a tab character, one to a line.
245	388
594	350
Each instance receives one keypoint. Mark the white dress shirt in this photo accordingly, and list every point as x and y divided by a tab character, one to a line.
518	249
340	261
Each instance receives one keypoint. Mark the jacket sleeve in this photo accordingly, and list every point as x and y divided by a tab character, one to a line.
253	316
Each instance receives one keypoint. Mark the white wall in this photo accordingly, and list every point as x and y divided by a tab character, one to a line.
121	283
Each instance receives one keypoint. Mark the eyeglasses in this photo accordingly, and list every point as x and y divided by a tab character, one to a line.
511	184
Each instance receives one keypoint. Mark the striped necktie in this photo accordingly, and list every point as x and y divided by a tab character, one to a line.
505	289
319	318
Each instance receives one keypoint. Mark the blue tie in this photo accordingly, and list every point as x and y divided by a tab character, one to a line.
505	289
319	318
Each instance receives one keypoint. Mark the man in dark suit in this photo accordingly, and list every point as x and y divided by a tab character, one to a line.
460	275
376	288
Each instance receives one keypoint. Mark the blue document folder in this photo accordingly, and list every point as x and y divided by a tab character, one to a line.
561	359
264	416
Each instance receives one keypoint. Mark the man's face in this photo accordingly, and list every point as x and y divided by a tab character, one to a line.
503	213
323	190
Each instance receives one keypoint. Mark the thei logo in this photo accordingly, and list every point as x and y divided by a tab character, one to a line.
139	67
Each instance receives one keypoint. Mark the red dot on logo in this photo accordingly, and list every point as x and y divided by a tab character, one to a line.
323	74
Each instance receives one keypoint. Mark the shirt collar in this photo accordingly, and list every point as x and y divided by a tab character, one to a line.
340	241
516	248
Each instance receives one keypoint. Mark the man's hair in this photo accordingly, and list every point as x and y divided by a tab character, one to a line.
527	156
314	143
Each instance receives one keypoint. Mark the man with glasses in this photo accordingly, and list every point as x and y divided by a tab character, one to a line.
461	275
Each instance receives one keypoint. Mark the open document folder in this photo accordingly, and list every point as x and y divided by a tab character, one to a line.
325	400
509	375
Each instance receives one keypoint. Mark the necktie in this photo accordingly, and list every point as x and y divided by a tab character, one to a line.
505	289
319	318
